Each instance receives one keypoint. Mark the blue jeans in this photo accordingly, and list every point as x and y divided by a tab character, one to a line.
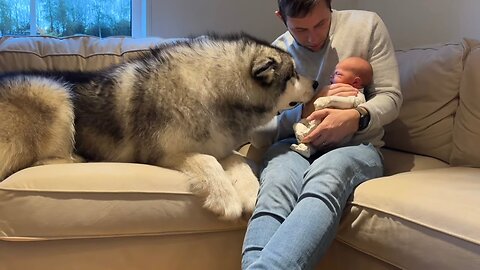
300	204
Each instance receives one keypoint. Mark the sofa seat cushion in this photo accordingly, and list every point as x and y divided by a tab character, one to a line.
395	161
95	200
413	220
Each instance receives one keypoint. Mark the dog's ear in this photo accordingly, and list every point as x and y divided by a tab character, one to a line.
263	69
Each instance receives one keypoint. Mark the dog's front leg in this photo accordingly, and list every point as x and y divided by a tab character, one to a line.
209	181
242	172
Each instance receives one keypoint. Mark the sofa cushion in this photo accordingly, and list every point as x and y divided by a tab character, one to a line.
466	134
395	161
430	79
96	200
412	220
75	53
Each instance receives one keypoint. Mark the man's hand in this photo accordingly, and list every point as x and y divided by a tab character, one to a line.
336	89
335	125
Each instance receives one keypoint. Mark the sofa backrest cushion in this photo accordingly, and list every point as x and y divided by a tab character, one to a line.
429	79
75	53
466	134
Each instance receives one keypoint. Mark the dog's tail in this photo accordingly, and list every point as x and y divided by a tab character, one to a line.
36	122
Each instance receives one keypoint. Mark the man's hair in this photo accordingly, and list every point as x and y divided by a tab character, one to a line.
298	8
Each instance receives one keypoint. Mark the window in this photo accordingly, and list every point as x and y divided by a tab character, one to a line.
70	17
15	17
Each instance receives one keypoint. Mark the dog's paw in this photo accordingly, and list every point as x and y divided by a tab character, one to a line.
246	184
242	174
248	196
227	207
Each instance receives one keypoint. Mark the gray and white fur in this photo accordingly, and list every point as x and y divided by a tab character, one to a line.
185	105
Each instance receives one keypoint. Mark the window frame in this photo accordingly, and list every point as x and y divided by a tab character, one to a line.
139	18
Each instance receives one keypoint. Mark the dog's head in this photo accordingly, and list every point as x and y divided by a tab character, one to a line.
274	69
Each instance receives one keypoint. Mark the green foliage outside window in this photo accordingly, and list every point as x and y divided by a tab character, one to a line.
67	17
14	17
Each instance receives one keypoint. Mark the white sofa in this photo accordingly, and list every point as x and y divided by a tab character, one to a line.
422	215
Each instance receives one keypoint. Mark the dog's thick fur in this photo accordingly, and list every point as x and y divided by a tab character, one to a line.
185	105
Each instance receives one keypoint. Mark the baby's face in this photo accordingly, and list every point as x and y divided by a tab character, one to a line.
342	75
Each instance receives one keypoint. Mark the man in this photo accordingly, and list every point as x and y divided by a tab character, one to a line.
301	200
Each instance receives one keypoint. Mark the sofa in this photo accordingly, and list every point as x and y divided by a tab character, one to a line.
422	214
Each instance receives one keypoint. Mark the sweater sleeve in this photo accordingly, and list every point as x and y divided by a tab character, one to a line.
384	97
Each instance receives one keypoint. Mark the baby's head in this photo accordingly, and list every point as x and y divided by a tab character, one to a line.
355	71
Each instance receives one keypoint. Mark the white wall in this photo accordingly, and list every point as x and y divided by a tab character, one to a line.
419	22
410	22
178	18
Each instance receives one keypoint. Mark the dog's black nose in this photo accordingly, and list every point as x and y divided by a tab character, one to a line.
315	85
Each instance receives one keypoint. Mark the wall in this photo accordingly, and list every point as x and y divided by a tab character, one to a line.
410	22
178	18
419	22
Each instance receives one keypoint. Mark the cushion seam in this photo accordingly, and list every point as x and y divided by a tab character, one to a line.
432	47
339	239
92	191
75	54
36	239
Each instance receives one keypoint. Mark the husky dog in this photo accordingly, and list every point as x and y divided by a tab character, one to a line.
184	105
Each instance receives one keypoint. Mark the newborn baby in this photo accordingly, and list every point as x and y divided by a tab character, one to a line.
355	71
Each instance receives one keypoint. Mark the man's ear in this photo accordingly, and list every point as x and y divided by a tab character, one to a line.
263	69
279	15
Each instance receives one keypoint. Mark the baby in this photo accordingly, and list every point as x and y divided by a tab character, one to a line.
355	71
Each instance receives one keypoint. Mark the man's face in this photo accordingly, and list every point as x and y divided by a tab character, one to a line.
312	30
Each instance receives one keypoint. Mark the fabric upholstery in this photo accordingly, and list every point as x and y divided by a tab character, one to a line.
403	218
466	134
429	79
76	53
101	200
199	251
